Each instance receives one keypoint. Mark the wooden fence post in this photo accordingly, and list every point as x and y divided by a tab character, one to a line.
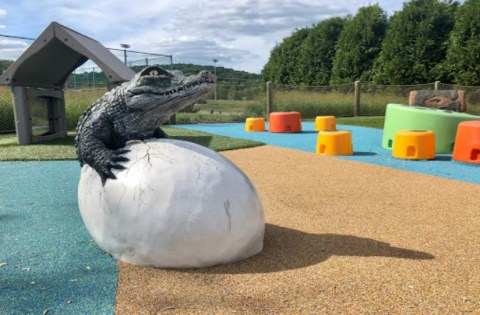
437	85
356	104
269	97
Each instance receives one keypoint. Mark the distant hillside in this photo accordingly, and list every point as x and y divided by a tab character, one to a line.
223	74
4	64
226	76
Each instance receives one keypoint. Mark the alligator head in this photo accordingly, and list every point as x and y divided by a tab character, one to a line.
156	90
134	111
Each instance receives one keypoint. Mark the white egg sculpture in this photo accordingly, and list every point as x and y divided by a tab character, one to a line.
177	204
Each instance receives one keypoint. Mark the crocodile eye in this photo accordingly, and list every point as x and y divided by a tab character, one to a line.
153	73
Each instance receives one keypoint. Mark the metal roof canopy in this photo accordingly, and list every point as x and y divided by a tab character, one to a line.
55	54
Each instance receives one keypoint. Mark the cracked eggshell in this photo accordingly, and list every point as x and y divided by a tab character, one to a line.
177	204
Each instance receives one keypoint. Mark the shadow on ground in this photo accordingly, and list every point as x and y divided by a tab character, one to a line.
286	249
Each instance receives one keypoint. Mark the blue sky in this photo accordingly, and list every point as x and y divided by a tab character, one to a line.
240	34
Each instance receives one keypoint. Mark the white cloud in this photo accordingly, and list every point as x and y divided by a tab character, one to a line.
11	49
3	13
238	33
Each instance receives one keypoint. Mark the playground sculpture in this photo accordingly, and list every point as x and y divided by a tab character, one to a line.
441	99
150	200
134	111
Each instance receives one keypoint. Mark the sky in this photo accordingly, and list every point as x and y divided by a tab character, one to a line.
239	34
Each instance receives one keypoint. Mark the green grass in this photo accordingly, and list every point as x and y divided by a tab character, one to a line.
225	106
58	149
199	118
63	149
363	121
311	103
214	142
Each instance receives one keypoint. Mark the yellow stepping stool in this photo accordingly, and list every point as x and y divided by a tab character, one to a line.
323	123
414	145
255	124
337	142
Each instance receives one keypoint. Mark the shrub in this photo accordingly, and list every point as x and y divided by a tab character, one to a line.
255	110
77	101
7	120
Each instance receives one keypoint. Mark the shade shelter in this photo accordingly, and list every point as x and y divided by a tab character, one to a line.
38	77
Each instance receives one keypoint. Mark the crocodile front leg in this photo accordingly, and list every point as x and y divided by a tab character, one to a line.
159	133
93	149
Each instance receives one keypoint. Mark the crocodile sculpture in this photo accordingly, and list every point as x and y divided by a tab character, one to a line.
134	111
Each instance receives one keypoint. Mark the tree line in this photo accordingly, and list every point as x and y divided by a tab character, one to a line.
227	76
426	41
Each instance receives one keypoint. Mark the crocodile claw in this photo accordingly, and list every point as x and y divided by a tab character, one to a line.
108	161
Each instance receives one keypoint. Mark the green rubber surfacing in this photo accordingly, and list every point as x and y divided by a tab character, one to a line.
443	123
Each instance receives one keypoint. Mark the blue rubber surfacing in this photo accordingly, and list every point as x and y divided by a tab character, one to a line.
48	261
367	148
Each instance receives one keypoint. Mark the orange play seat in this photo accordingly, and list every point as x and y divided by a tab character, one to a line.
467	142
285	122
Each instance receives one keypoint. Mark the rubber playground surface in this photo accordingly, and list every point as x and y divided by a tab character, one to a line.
350	235
367	147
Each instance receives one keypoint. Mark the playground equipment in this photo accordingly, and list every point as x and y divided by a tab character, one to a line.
440	99
338	142
254	124
442	123
325	123
285	122
467	142
414	145
38	77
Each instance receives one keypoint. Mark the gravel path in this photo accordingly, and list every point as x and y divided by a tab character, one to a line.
342	237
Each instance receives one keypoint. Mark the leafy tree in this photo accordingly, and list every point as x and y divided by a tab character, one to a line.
359	45
271	70
318	51
463	57
414	43
4	64
283	61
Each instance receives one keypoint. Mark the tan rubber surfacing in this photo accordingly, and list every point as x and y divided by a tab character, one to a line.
342	237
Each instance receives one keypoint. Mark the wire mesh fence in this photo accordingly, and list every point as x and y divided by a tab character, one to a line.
77	100
92	76
472	96
375	98
7	119
313	101
235	102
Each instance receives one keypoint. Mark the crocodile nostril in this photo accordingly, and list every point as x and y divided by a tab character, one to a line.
207	76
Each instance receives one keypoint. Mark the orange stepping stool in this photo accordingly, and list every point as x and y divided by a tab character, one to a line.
325	123
414	145
285	122
467	142
255	124
337	142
